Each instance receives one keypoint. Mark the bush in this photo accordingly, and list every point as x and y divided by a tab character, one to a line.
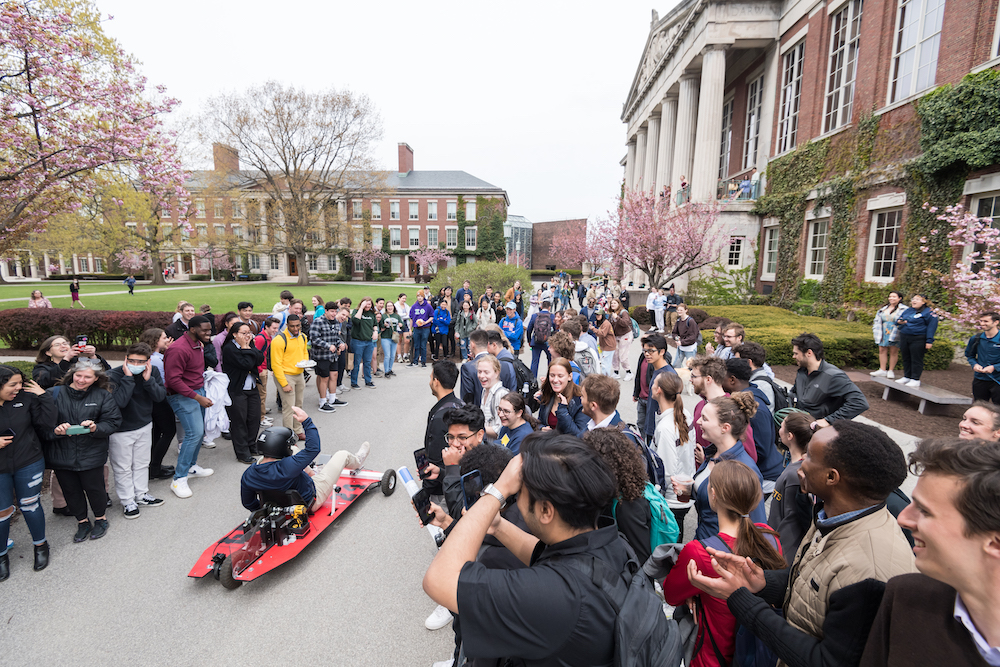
198	277
640	315
384	279
847	344
481	274
697	314
23	366
808	290
251	277
89	276
545	272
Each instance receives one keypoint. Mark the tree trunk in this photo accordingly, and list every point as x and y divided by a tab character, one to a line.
300	261
157	269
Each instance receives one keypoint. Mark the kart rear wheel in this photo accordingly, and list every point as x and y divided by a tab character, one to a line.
226	575
388	482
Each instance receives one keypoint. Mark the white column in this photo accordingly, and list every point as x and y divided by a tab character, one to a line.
668	131
638	183
705	176
62	265
652	151
630	165
32	265
75	264
45	269
772	63
687	114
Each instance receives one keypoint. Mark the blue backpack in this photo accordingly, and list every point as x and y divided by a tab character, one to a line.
749	650
663	527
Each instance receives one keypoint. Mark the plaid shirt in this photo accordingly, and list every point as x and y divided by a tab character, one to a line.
322	334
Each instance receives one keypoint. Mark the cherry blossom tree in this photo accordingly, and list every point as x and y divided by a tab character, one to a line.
368	256
573	249
427	258
71	103
133	260
663	242
974	282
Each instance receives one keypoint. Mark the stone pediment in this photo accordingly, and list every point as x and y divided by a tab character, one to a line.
663	34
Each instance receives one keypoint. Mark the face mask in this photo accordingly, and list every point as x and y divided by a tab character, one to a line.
137	370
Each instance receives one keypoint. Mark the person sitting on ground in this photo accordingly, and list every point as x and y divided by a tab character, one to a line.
946	614
831	596
733	492
980	421
769	460
560	406
517	421
821	389
281	470
791	510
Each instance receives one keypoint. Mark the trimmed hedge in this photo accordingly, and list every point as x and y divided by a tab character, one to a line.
480	274
88	276
640	315
23	366
845	344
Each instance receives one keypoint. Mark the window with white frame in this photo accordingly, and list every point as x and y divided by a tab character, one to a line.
199	207
238	209
201	231
987	206
312	262
238	232
915	52
378	266
275	262
220	210
432	237
186	231
394	210
254	234
414	210
735	251
453	210
394	264
845	39
816	260
164	212
451	237
883	245
414	237
356	210
394	234
358	266
132	226
727	138
331	263
98	265
470	238
253	260
377	238
359	237
84	264
432	210
470	211
791	91
755	102
219	230
376	210
168	232
771	250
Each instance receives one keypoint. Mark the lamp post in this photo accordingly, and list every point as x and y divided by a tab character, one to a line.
517	251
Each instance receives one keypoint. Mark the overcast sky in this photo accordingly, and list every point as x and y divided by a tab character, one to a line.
524	95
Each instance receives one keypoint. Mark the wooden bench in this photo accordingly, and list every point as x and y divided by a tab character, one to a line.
933	395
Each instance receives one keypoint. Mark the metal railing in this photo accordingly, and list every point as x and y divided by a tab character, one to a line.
738	189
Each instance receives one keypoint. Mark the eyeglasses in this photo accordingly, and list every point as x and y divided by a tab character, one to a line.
693	376
504	411
449	438
649	350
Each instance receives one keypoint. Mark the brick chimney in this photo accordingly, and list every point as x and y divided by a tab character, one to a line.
227	158
405	159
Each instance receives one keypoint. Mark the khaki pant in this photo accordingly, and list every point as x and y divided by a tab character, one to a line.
262	390
671	320
327	478
291	399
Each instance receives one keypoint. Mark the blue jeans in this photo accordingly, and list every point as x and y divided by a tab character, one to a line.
680	357
419	353
464	344
536	353
389	352
362	350
26	482
192	418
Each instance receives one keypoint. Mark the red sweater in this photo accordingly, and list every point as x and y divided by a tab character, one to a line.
677	588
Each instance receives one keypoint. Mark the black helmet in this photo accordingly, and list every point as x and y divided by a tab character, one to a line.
276	442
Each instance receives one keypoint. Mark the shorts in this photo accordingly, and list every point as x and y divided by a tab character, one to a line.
889	343
323	367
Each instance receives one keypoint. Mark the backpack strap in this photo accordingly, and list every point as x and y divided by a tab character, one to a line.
612	585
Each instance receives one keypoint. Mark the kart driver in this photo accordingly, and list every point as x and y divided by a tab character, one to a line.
279	469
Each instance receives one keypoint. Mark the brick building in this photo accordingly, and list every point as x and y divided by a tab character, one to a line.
541	242
726	88
416	208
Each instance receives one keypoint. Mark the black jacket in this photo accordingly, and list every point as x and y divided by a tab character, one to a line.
570	418
237	362
177	329
434	438
135	397
827	393
86	451
25	413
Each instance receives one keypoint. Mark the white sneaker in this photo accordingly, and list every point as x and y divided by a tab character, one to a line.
267	422
180	488
913	383
362	454
343	389
198	471
444	663
628	376
890	375
878	374
439	618
208	444
903	380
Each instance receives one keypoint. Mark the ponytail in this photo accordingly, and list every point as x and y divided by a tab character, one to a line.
672	386
738	492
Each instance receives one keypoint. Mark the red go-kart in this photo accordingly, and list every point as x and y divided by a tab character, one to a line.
282	528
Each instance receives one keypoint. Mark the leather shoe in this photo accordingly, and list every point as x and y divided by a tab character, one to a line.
41	556
62	511
248	460
165	472
4	567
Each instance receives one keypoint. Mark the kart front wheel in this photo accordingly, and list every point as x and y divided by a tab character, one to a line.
226	575
388	482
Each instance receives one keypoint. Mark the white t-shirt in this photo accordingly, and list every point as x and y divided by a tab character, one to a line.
677	460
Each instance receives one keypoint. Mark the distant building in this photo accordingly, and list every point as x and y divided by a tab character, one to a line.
517	234
541	243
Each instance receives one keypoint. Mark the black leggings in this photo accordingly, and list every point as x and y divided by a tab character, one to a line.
164	430
244	421
440	343
912	349
79	486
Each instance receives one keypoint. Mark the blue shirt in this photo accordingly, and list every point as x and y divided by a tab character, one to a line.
512	439
985	352
287	473
918	323
513	328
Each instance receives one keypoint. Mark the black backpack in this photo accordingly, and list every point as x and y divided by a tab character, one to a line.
525	379
643	635
781	400
655	469
543	327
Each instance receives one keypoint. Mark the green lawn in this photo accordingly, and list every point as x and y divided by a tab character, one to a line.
222	298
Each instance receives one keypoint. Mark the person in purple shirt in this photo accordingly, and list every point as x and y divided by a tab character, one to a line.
281	470
422	315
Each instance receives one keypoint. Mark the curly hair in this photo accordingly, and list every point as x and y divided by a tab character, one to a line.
623	458
736	410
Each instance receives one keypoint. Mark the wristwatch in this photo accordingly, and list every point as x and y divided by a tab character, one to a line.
495	492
